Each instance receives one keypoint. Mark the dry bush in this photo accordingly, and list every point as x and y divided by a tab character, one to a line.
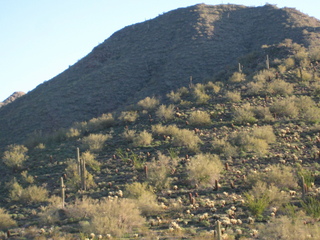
50	214
148	103
15	156
204	169
174	97
199	118
74	180
223	147
186	138
73	132
279	87
165	112
244	114
287	229
311	115
115	217
30	194
315	87
285	108
262	196
129	135
90	160
165	130
144	197
128	116
95	142
234	96
160	171
102	122
237	77
264	132
289	63
211	86
264	75
281	176
142	139
200	95
6	221
255	88
262	113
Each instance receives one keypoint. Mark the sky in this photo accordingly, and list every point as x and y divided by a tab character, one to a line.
40	38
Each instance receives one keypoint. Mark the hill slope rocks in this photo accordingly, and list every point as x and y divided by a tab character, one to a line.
152	58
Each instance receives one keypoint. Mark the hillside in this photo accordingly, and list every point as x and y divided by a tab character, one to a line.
152	58
11	98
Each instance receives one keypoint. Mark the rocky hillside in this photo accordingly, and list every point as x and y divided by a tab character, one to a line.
11	98
152	58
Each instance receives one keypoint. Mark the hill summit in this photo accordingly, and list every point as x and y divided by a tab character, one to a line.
153	58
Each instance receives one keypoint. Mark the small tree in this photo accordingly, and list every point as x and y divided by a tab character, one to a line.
15	156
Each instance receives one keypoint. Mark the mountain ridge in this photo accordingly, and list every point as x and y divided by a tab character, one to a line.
152	58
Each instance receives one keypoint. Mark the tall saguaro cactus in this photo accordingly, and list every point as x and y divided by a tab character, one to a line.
81	170
63	188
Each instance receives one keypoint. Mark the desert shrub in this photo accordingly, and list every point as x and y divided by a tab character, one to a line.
6	221
117	217
90	160
95	142
243	114
289	63
255	88
165	112
186	138
264	132
142	139
284	108
73	132
200	95
102	122
144	197
214	87
199	118
165	130
128	116
247	143
233	96
312	206
74	180
223	147
279	87
31	194
282	69
50	214
160	171
129	135
204	169
27	178
311	115
262	113
148	103
314	53
304	75
15	156
262	196
237	77
315	87
281	176
264	75
286	229
174	96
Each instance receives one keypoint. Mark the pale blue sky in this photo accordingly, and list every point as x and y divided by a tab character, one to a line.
41	38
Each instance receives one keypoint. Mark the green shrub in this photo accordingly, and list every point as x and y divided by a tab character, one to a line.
170	130
211	86
129	135
285	228
289	63
284	108
304	75
312	206
200	95
265	133
144	197
74	180
90	160
262	113
233	96
264	75
174	97
160	171
6	222
199	118
148	103
95	142
315	87
102	122
244	114
186	138
204	169
256	88
128	116
279	87
237	77
165	112
142	139
223	147
15	156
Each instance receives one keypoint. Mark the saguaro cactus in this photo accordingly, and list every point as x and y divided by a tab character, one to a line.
63	188
218	230
81	170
